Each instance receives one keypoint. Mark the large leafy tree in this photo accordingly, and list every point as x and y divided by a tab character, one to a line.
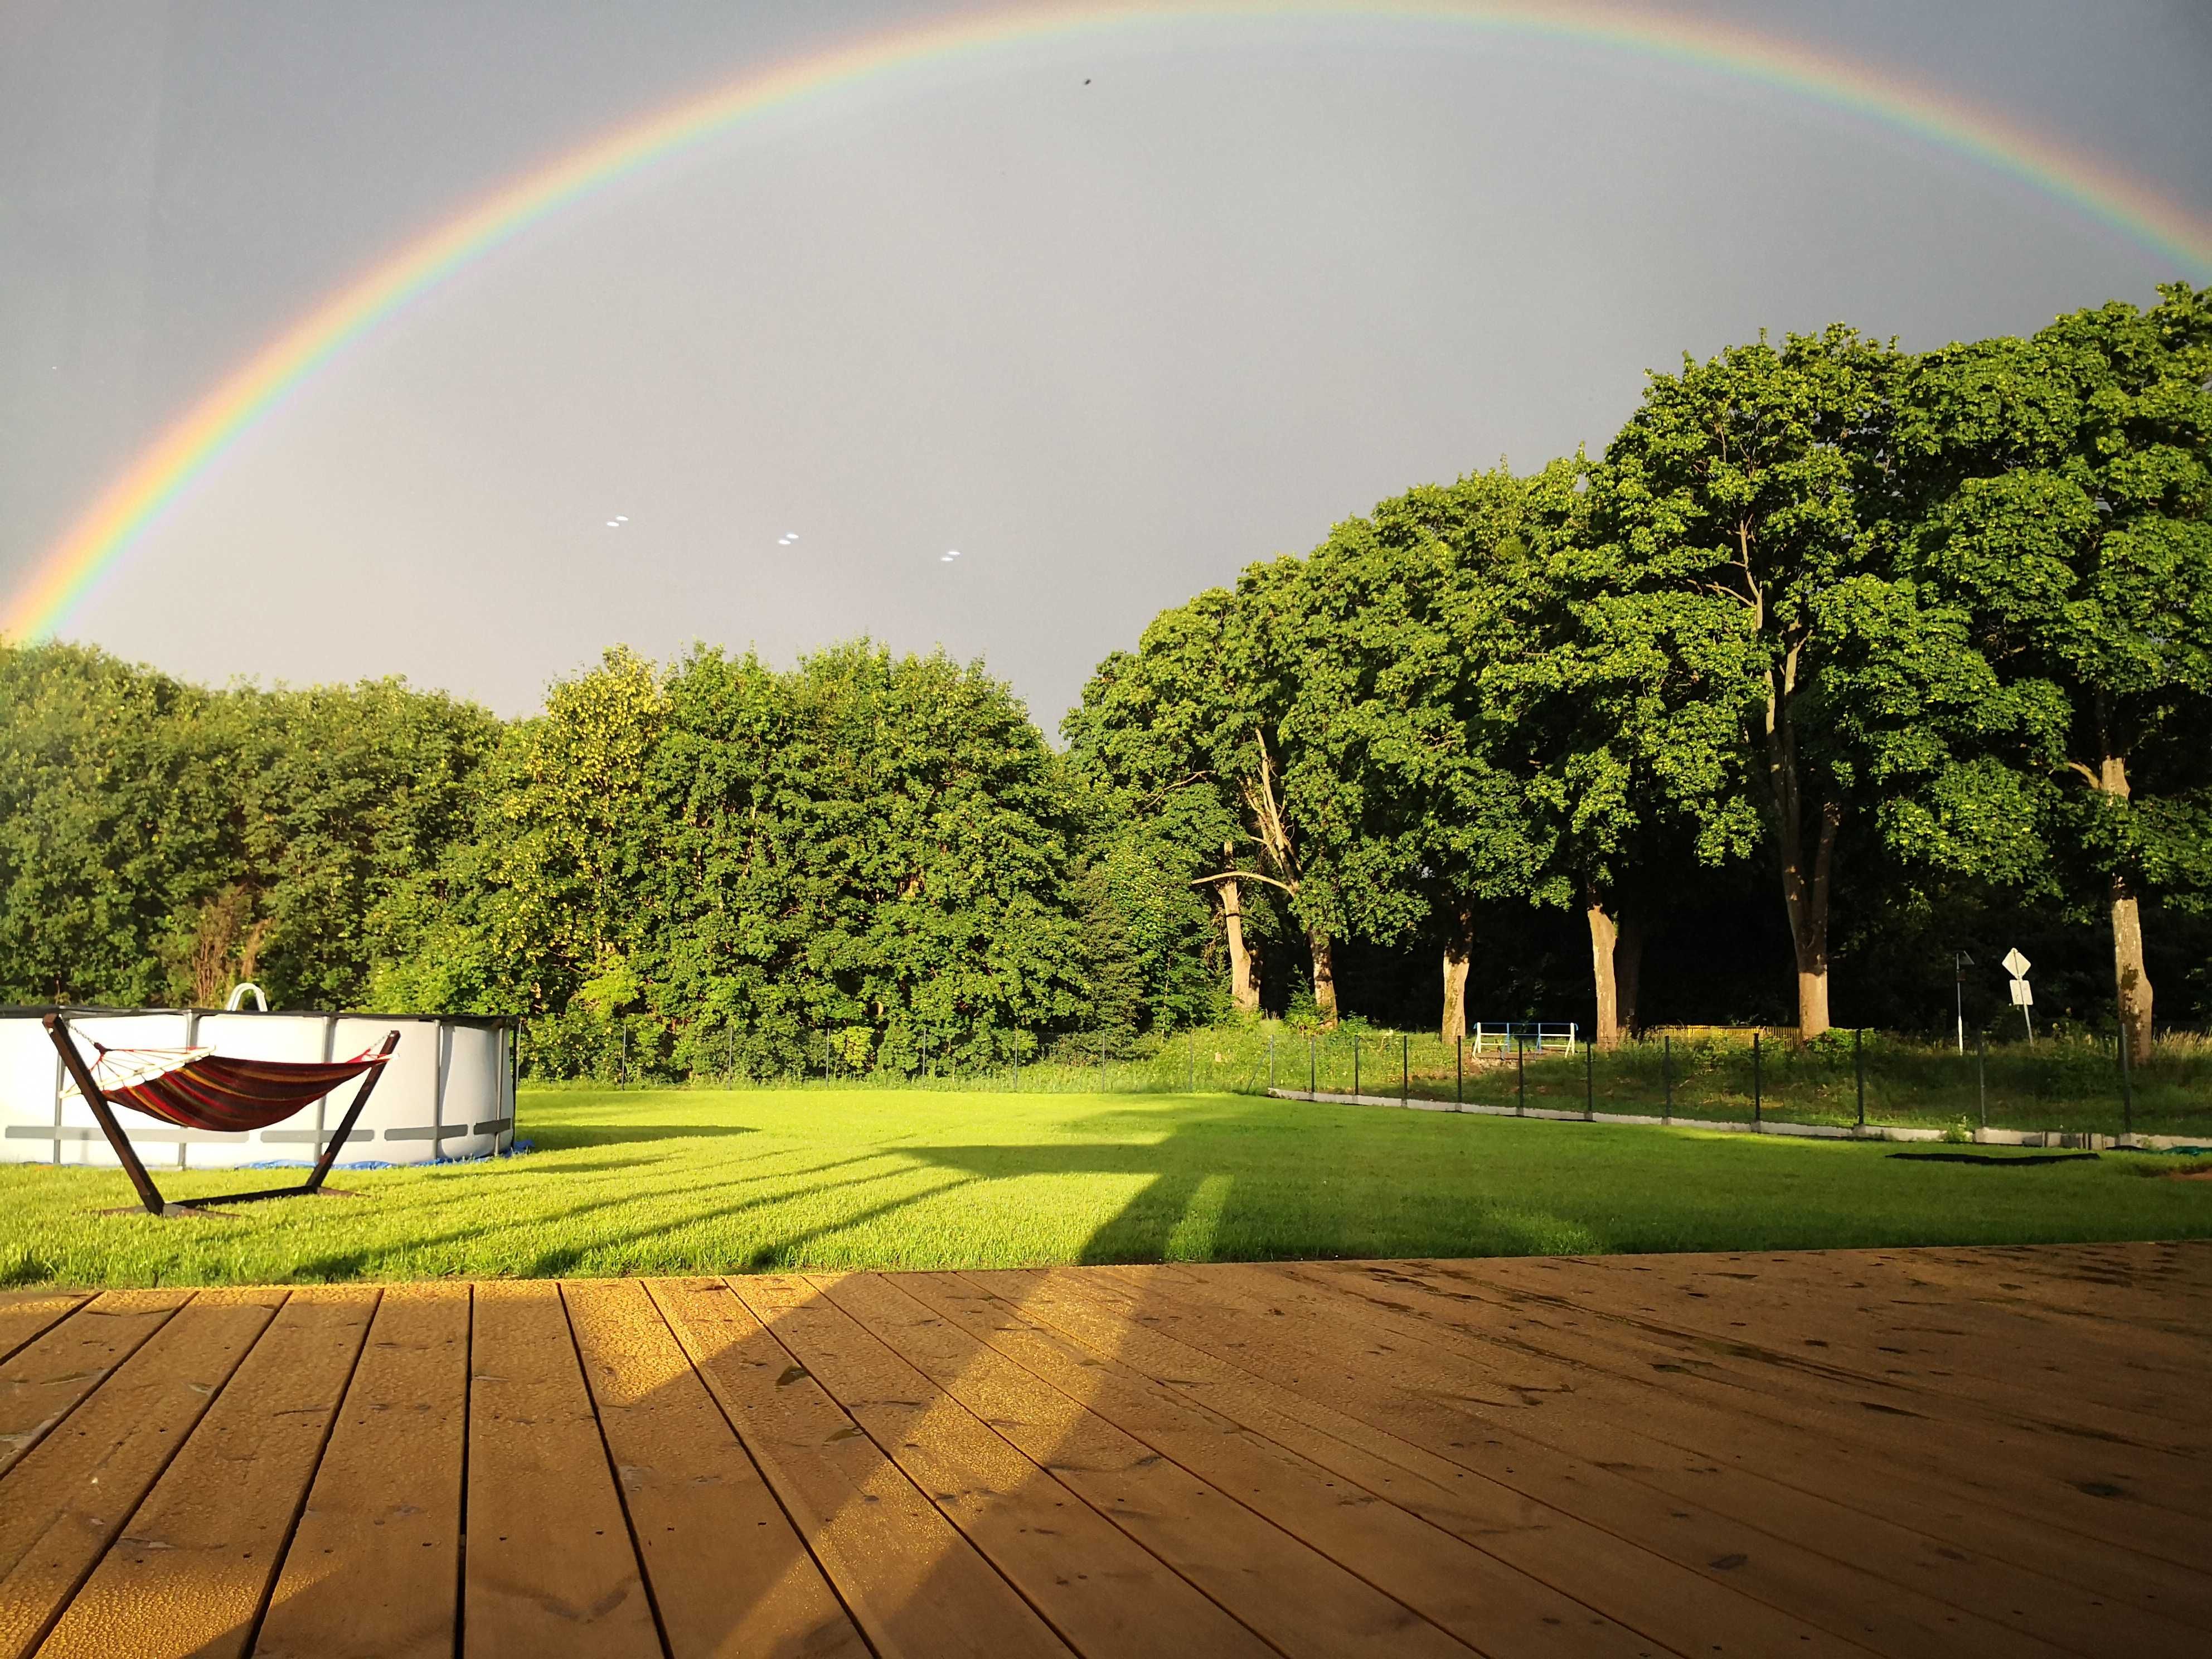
2070	478
1410	616
158	841
115	825
1150	747
1746	522
1636	767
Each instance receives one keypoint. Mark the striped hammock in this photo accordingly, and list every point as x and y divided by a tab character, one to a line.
200	1088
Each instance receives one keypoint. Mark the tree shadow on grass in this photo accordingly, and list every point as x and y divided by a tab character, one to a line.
1161	1212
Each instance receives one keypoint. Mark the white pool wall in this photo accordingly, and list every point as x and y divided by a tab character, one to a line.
447	1092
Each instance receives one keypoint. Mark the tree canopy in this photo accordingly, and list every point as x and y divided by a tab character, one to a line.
1919	646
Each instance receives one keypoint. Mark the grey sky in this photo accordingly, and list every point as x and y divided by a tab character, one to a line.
1111	341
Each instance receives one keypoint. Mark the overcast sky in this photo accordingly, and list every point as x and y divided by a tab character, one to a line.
1113	316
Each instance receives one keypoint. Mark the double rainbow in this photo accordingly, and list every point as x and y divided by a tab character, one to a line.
119	520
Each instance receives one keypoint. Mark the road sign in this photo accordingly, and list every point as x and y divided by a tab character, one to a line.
2023	994
2015	964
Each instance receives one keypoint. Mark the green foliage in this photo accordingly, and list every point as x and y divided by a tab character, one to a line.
2069	524
157	841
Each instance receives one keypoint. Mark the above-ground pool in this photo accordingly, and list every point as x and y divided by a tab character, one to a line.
448	1090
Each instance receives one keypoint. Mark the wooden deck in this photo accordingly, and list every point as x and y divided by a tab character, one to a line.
1924	1452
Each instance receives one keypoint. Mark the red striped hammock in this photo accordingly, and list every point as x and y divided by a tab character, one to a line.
200	1088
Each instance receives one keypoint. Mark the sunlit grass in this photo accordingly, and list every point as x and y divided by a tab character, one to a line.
699	1180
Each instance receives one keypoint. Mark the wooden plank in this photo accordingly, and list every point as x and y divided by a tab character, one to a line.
728	1573
550	1567
1611	1431
26	1314
1488	1605
1295	1598
1961	1523
2058	1277
50	1376
1095	1586
1941	1339
189	1574
2093	1485
1339	1367
373	1568
1675	1607
1298	1601
1982	1304
61	1505
912	1582
1839	1368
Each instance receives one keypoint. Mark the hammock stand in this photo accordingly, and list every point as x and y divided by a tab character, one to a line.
253	1094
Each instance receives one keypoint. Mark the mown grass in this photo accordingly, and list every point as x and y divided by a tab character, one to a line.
696	1180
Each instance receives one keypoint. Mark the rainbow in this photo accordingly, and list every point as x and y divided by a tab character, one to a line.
120	519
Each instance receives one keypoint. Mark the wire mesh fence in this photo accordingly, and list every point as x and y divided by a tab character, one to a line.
2064	1086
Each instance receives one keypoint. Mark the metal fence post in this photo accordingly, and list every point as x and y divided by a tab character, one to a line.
1520	1078
1858	1068
1193	1050
1459	1070
1405	1067
1355	1065
2127	1088
1757	1108
1589	1083
1667	1076
1271	1061
1313	1071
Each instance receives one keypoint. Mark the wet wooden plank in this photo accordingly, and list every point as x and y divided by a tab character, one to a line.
1678	1610
1733	1470
912	1582
1296	1599
373	1568
1878	1326
1834	1366
63	1504
729	1575
1395	1387
26	1315
2134	1495
1471	1594
550	1567
51	1375
1677	1412
1100	1590
189	1573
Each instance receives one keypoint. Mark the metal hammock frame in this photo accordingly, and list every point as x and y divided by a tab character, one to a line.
103	1109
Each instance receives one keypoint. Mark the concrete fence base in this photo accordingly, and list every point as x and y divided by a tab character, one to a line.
2082	1141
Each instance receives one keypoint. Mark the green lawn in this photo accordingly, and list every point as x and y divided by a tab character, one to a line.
680	1180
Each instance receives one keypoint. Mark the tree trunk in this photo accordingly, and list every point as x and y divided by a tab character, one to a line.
1628	972
1244	990
1603	936
2130	983
1804	869
1324	977
1805	875
1457	950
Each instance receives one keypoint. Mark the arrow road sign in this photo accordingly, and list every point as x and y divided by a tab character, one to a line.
2015	964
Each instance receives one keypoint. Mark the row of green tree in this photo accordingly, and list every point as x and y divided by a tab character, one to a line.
1820	602
1905	642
